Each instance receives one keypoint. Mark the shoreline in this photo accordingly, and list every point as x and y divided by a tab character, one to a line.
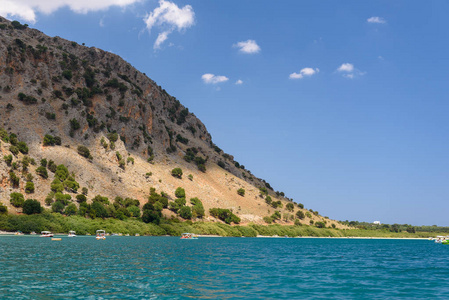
7	233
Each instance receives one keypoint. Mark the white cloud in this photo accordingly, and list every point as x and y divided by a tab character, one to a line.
377	20
27	9
169	17
160	39
238	82
346	67
349	71
214	79
304	72
249	47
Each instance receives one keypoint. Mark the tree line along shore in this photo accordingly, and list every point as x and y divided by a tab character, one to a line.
62	224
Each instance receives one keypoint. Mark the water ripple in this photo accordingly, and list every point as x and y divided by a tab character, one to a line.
224	268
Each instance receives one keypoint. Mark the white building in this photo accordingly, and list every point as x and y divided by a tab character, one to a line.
376	222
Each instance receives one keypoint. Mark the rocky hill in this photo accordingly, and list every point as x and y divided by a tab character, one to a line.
117	132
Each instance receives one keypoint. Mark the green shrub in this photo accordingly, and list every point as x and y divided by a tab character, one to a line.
134	211
197	208
177	172
14	150
97	210
83	151
300	205
180	193
81	198
225	215
14	179
57	207
67	74
181	202
268	220
3	209
31	206
16	199
173	206
74	124
320	224
276	204
290	206
300	215
63	198
71	185
50	140
56	186
241	192
8	159
185	212
17	25
151	214
276	215
42	171
23	148
181	139
62	173
4	135
29	187
113	136
52	166
268	200
101	199
71	210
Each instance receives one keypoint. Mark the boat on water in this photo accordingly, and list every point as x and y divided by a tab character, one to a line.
18	232
189	236
440	239
46	234
101	235
33	233
72	233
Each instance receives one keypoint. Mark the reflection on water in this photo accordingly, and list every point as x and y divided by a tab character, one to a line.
223	268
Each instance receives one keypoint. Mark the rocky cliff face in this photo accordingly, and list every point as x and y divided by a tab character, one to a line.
136	133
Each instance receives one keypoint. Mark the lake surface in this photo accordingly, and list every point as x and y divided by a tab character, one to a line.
221	268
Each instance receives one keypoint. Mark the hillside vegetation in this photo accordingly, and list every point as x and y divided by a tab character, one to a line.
85	134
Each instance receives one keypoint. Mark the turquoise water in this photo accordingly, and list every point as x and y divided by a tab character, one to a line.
221	268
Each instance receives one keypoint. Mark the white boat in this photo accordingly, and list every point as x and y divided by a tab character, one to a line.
189	236
46	234
18	233
101	235
72	233
439	239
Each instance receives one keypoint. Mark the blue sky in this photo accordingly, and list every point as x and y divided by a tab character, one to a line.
341	105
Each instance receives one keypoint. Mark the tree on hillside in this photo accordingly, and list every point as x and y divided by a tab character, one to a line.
177	172
31	206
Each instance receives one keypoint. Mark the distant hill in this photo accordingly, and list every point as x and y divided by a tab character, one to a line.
118	134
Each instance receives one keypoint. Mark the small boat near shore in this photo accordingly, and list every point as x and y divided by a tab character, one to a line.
189	236
72	233
101	235
46	234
